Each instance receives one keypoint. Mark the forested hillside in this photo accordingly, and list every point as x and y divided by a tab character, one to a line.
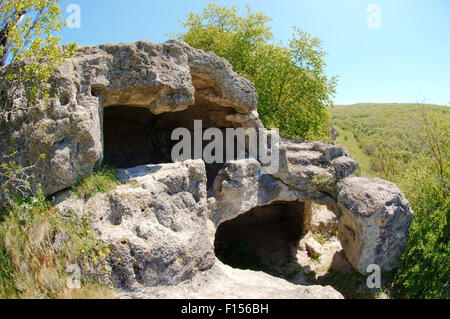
385	137
409	145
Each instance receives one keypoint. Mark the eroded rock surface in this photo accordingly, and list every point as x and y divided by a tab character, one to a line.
156	226
67	129
224	282
374	223
162	221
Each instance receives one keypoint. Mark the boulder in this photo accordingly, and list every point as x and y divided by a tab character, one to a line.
162	221
224	282
156	224
323	220
313	247
162	78
373	227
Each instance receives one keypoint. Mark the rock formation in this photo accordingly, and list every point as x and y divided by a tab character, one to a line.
118	104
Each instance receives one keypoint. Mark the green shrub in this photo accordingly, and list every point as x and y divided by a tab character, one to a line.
102	181
293	88
36	246
425	266
322	180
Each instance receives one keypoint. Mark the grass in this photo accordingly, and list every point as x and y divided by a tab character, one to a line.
350	286
321	238
322	181
37	245
7	285
347	139
102	181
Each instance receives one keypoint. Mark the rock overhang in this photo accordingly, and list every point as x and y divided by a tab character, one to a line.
171	78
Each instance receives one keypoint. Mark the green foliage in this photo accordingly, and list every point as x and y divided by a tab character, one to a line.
36	246
7	284
425	266
294	94
385	138
351	286
102	181
34	43
35	53
322	180
14	177
412	149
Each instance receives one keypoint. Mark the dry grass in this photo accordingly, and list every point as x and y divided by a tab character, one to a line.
37	245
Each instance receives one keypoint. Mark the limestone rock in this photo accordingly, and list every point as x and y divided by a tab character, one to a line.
241	186
313	247
216	82
314	166
161	223
166	77
224	282
323	220
341	264
318	258
374	224
156	225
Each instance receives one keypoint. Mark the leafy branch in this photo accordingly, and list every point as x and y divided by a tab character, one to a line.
14	178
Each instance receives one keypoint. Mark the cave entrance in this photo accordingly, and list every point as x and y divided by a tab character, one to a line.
265	238
134	136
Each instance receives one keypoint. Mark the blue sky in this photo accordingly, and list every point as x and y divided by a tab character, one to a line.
406	60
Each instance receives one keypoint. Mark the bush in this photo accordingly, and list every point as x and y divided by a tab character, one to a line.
322	180
102	181
14	177
425	266
37	245
294	92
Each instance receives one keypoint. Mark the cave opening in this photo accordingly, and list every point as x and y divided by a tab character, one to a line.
263	239
134	136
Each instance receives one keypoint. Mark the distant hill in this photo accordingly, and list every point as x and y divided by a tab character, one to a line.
390	141
377	132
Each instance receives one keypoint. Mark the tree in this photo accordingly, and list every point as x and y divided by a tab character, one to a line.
4	35
14	178
29	36
294	93
425	269
436	138
29	41
383	162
